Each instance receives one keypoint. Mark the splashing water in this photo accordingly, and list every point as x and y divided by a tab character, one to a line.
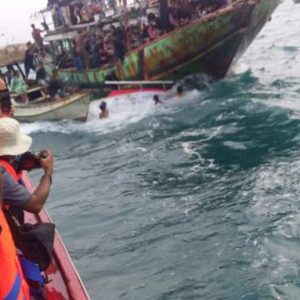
194	199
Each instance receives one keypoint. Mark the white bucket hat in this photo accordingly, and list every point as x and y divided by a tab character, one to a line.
12	141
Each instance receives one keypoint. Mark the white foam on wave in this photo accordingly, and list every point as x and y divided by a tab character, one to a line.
239	68
290	102
235	145
276	189
123	111
275	201
274	49
211	132
192	149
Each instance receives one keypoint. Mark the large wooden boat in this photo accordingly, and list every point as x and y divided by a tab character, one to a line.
209	44
64	282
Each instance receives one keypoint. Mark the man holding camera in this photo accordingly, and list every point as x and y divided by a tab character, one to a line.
12	144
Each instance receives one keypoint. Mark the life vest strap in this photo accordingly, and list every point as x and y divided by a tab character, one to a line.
31	271
15	290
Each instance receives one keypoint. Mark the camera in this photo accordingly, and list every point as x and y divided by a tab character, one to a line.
29	161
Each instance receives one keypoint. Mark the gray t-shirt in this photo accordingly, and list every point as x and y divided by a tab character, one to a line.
14	194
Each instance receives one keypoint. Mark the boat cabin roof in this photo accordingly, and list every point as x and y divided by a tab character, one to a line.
68	35
12	54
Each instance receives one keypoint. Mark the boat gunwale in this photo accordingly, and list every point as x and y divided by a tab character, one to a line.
67	269
48	101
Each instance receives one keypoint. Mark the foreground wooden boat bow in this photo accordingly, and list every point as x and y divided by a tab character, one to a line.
64	281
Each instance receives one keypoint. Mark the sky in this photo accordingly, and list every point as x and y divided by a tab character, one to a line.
15	19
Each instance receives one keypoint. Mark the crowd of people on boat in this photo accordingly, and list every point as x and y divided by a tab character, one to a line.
70	12
76	12
19	86
107	41
18	83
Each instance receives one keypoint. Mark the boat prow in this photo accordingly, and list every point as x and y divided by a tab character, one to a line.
64	282
210	44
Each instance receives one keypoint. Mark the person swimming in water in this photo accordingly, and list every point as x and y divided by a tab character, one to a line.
156	100
104	111
179	91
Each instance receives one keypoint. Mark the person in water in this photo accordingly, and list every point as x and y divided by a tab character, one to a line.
179	91
104	111
156	100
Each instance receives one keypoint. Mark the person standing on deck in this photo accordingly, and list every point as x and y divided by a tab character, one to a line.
29	59
80	42
6	109
64	5
37	37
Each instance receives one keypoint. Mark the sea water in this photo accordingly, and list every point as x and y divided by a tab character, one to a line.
197	198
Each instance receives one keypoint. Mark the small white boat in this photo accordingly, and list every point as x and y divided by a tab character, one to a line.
73	107
40	106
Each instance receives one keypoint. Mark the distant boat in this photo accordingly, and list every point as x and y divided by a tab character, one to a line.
210	44
73	107
296	1
41	106
63	280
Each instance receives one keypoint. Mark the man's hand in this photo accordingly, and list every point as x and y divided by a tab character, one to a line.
40	195
46	160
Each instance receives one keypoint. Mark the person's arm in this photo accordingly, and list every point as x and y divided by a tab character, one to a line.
41	193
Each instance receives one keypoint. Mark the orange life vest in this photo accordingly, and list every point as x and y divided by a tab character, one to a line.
13	285
12	172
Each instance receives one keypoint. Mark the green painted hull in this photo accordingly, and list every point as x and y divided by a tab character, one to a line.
209	46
